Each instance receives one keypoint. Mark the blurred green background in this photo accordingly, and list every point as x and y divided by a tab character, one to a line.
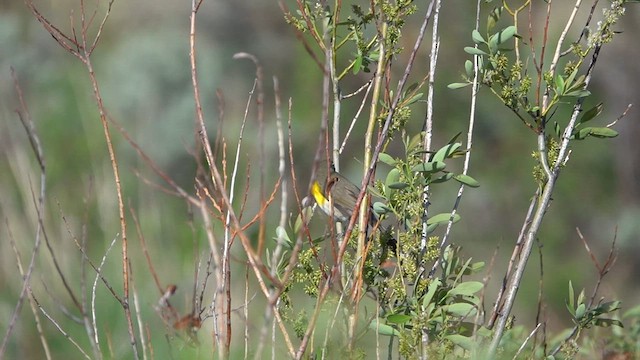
142	66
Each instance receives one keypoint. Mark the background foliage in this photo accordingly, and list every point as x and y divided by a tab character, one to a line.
143	66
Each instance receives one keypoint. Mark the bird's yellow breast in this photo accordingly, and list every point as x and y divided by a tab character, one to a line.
316	191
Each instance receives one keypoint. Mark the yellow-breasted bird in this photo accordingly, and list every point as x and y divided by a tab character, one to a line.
334	189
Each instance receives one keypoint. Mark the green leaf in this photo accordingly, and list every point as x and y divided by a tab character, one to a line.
454	138
460	309
571	301
398	318
506	34
579	83
493	44
580	134
608	307
467	288
591	113
580	310
412	88
392	177
442	218
444	178
383	329
398	185
494	16
281	233
474	51
578	93
466	180
454	86
477	38
599	132
357	64
381	208
387	159
463	341
608	322
297	224
413	99
559	82
431	290
429	167
603	132
477	266
569	83
445	152
431	228
580	297
468	68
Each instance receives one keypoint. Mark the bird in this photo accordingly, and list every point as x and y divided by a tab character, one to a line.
336	196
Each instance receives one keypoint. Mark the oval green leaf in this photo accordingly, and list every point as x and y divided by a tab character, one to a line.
445	152
477	38
357	64
559	83
460	309
580	134
281	234
608	307
431	228
603	132
580	310
398	185
601	322
392	177
477	266
383	329
431	291
466	180
398	318
474	51
381	208
493	18
505	34
454	86
413	99
467	288
444	178
387	159
442	218
429	167
578	93
591	113
468	68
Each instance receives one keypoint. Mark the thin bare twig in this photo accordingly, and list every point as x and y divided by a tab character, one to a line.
34	309
524	343
94	321
64	333
34	140
82	50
